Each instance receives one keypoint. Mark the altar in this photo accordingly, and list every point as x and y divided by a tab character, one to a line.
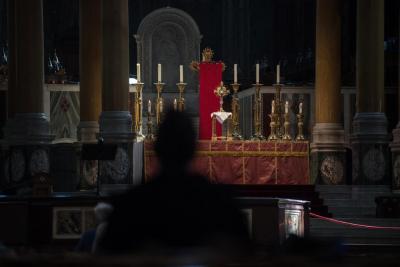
244	162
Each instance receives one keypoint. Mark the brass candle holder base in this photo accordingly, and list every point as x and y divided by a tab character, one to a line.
181	101
138	110
150	135
159	108
273	136
286	136
257	113
235	113
300	126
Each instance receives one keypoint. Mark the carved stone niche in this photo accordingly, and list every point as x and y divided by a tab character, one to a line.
171	37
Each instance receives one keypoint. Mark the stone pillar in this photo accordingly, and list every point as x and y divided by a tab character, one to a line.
327	149
370	138
27	131
395	145
29	124
90	53
115	118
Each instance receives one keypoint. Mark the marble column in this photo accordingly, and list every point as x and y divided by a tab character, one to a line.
395	145
327	148
90	53
370	138
27	132
115	118
29	123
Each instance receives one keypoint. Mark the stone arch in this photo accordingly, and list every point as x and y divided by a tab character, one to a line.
171	37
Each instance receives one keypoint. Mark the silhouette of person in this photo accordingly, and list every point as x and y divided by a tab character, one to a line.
176	211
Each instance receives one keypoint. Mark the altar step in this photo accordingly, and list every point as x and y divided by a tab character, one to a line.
351	236
355	204
351	201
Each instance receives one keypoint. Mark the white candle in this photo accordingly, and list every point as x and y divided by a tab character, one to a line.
257	73
287	107
159	72
181	73
273	107
235	73
301	107
278	73
149	106
175	104
138	78
161	105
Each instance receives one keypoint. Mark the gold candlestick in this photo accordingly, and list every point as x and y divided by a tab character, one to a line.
138	110
149	135
279	110
235	112
286	136
272	136
159	87
257	113
181	101
300	125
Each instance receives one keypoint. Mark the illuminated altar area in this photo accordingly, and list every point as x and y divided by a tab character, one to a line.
228	159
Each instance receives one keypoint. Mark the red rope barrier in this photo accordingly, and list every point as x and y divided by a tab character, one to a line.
356	225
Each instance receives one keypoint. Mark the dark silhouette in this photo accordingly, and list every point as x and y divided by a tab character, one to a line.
177	211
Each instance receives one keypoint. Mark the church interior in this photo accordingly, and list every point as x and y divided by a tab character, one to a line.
138	132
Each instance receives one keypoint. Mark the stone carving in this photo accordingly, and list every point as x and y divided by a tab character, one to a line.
39	162
89	172
396	173
118	169
171	37
64	114
373	165
332	170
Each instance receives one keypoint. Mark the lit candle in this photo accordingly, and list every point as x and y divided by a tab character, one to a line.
181	73
301	107
257	73
159	72
278	73
235	73
161	105
149	107
273	107
175	104
286	107
138	73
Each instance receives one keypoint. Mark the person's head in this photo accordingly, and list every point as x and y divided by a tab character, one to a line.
176	141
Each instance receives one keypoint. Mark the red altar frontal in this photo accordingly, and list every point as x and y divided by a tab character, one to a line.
245	162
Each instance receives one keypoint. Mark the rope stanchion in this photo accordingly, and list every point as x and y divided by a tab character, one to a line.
355	225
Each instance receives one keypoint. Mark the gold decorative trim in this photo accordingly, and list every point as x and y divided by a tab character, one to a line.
243	154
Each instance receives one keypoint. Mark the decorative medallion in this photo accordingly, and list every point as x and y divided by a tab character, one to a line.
118	168
332	170
39	162
396	173
17	165
373	165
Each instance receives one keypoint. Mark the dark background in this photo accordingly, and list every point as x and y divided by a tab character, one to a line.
239	31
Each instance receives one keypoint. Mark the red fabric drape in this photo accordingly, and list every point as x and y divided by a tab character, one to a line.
210	76
248	162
